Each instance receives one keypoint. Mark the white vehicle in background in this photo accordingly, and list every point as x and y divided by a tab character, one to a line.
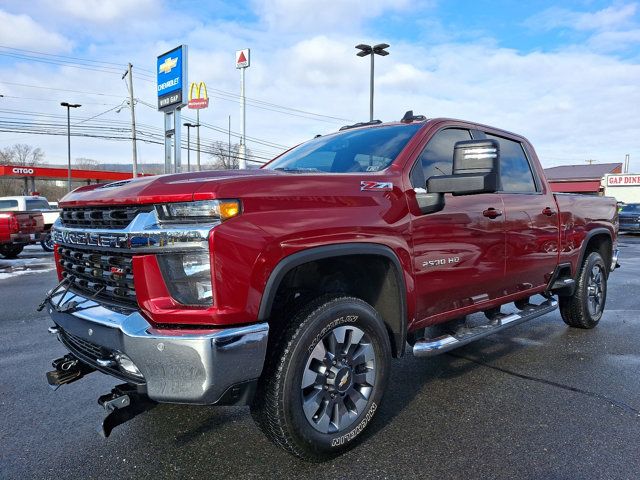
33	203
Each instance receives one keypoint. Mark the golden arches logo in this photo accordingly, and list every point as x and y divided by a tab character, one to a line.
198	101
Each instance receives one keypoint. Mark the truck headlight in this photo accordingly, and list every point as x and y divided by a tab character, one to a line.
188	277
201	210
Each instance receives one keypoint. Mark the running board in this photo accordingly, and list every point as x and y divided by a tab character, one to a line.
428	347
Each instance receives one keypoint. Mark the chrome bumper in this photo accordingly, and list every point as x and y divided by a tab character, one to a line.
175	367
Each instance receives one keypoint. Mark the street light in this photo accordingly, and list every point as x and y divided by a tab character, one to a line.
69	107
189	127
373	51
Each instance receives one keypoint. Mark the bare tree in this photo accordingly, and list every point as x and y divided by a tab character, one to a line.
223	159
23	155
87	163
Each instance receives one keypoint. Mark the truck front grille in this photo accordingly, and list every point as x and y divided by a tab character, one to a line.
106	276
101	217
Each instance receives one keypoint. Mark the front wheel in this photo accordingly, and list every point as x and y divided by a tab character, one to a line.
47	242
584	308
324	378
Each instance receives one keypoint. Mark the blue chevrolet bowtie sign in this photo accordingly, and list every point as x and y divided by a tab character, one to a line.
172	78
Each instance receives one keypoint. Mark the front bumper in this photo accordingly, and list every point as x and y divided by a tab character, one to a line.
629	227
176	366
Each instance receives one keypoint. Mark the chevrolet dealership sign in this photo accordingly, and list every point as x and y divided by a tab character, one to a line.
172	79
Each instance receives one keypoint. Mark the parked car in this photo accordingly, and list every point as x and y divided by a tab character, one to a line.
290	288
630	218
18	229
34	203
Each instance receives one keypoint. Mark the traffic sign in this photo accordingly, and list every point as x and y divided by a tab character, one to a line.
242	58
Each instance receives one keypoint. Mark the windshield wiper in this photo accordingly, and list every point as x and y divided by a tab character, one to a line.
303	170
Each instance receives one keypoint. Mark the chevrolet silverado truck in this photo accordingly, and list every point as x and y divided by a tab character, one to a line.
17	230
290	288
33	203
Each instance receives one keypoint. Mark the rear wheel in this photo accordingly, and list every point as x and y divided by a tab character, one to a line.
11	251
324	378
584	308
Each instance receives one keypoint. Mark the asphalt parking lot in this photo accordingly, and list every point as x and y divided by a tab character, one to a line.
537	401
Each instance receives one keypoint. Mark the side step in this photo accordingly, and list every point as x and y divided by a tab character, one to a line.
428	347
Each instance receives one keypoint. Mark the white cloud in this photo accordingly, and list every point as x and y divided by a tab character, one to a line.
573	103
320	15
613	17
614	28
21	31
105	11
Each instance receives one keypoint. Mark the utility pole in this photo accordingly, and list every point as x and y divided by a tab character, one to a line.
69	106
229	139
590	161
133	120
373	51
242	62
189	127
198	137
242	163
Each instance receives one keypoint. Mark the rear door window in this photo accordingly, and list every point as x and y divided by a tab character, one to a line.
515	171
37	205
6	205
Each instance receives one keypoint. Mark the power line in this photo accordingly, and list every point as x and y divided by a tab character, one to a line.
119	65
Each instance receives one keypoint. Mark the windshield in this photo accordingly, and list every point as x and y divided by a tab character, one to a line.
365	150
632	208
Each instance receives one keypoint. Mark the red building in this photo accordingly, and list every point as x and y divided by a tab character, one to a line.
580	178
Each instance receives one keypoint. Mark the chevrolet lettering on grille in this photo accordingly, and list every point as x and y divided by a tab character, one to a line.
93	239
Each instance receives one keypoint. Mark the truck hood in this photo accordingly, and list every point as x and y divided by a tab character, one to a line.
183	187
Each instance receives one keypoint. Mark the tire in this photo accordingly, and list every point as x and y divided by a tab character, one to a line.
47	242
11	251
310	406
584	308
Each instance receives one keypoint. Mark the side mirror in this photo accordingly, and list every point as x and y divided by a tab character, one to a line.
476	169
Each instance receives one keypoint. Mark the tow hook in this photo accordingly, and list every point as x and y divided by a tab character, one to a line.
67	369
122	404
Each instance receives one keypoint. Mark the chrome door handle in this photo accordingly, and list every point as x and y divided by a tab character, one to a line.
492	213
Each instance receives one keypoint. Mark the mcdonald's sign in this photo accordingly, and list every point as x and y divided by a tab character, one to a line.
200	100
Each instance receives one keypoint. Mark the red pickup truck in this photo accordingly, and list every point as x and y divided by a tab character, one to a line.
291	287
18	229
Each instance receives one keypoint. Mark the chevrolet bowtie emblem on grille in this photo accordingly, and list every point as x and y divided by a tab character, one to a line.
168	64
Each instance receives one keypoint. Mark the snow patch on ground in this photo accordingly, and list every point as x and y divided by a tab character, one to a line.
28	262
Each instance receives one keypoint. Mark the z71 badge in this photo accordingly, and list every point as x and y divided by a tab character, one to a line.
369	186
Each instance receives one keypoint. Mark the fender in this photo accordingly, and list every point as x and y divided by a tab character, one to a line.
397	326
585	242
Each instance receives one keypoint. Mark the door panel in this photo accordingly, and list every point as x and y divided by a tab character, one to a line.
531	225
458	256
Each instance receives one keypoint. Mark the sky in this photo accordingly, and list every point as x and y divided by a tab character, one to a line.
564	74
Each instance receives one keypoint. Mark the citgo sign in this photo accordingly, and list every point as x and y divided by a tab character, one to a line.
22	171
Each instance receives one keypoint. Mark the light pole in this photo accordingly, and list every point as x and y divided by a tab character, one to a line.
189	127
373	51
69	107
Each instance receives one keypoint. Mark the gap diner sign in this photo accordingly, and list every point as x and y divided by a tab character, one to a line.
623	180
